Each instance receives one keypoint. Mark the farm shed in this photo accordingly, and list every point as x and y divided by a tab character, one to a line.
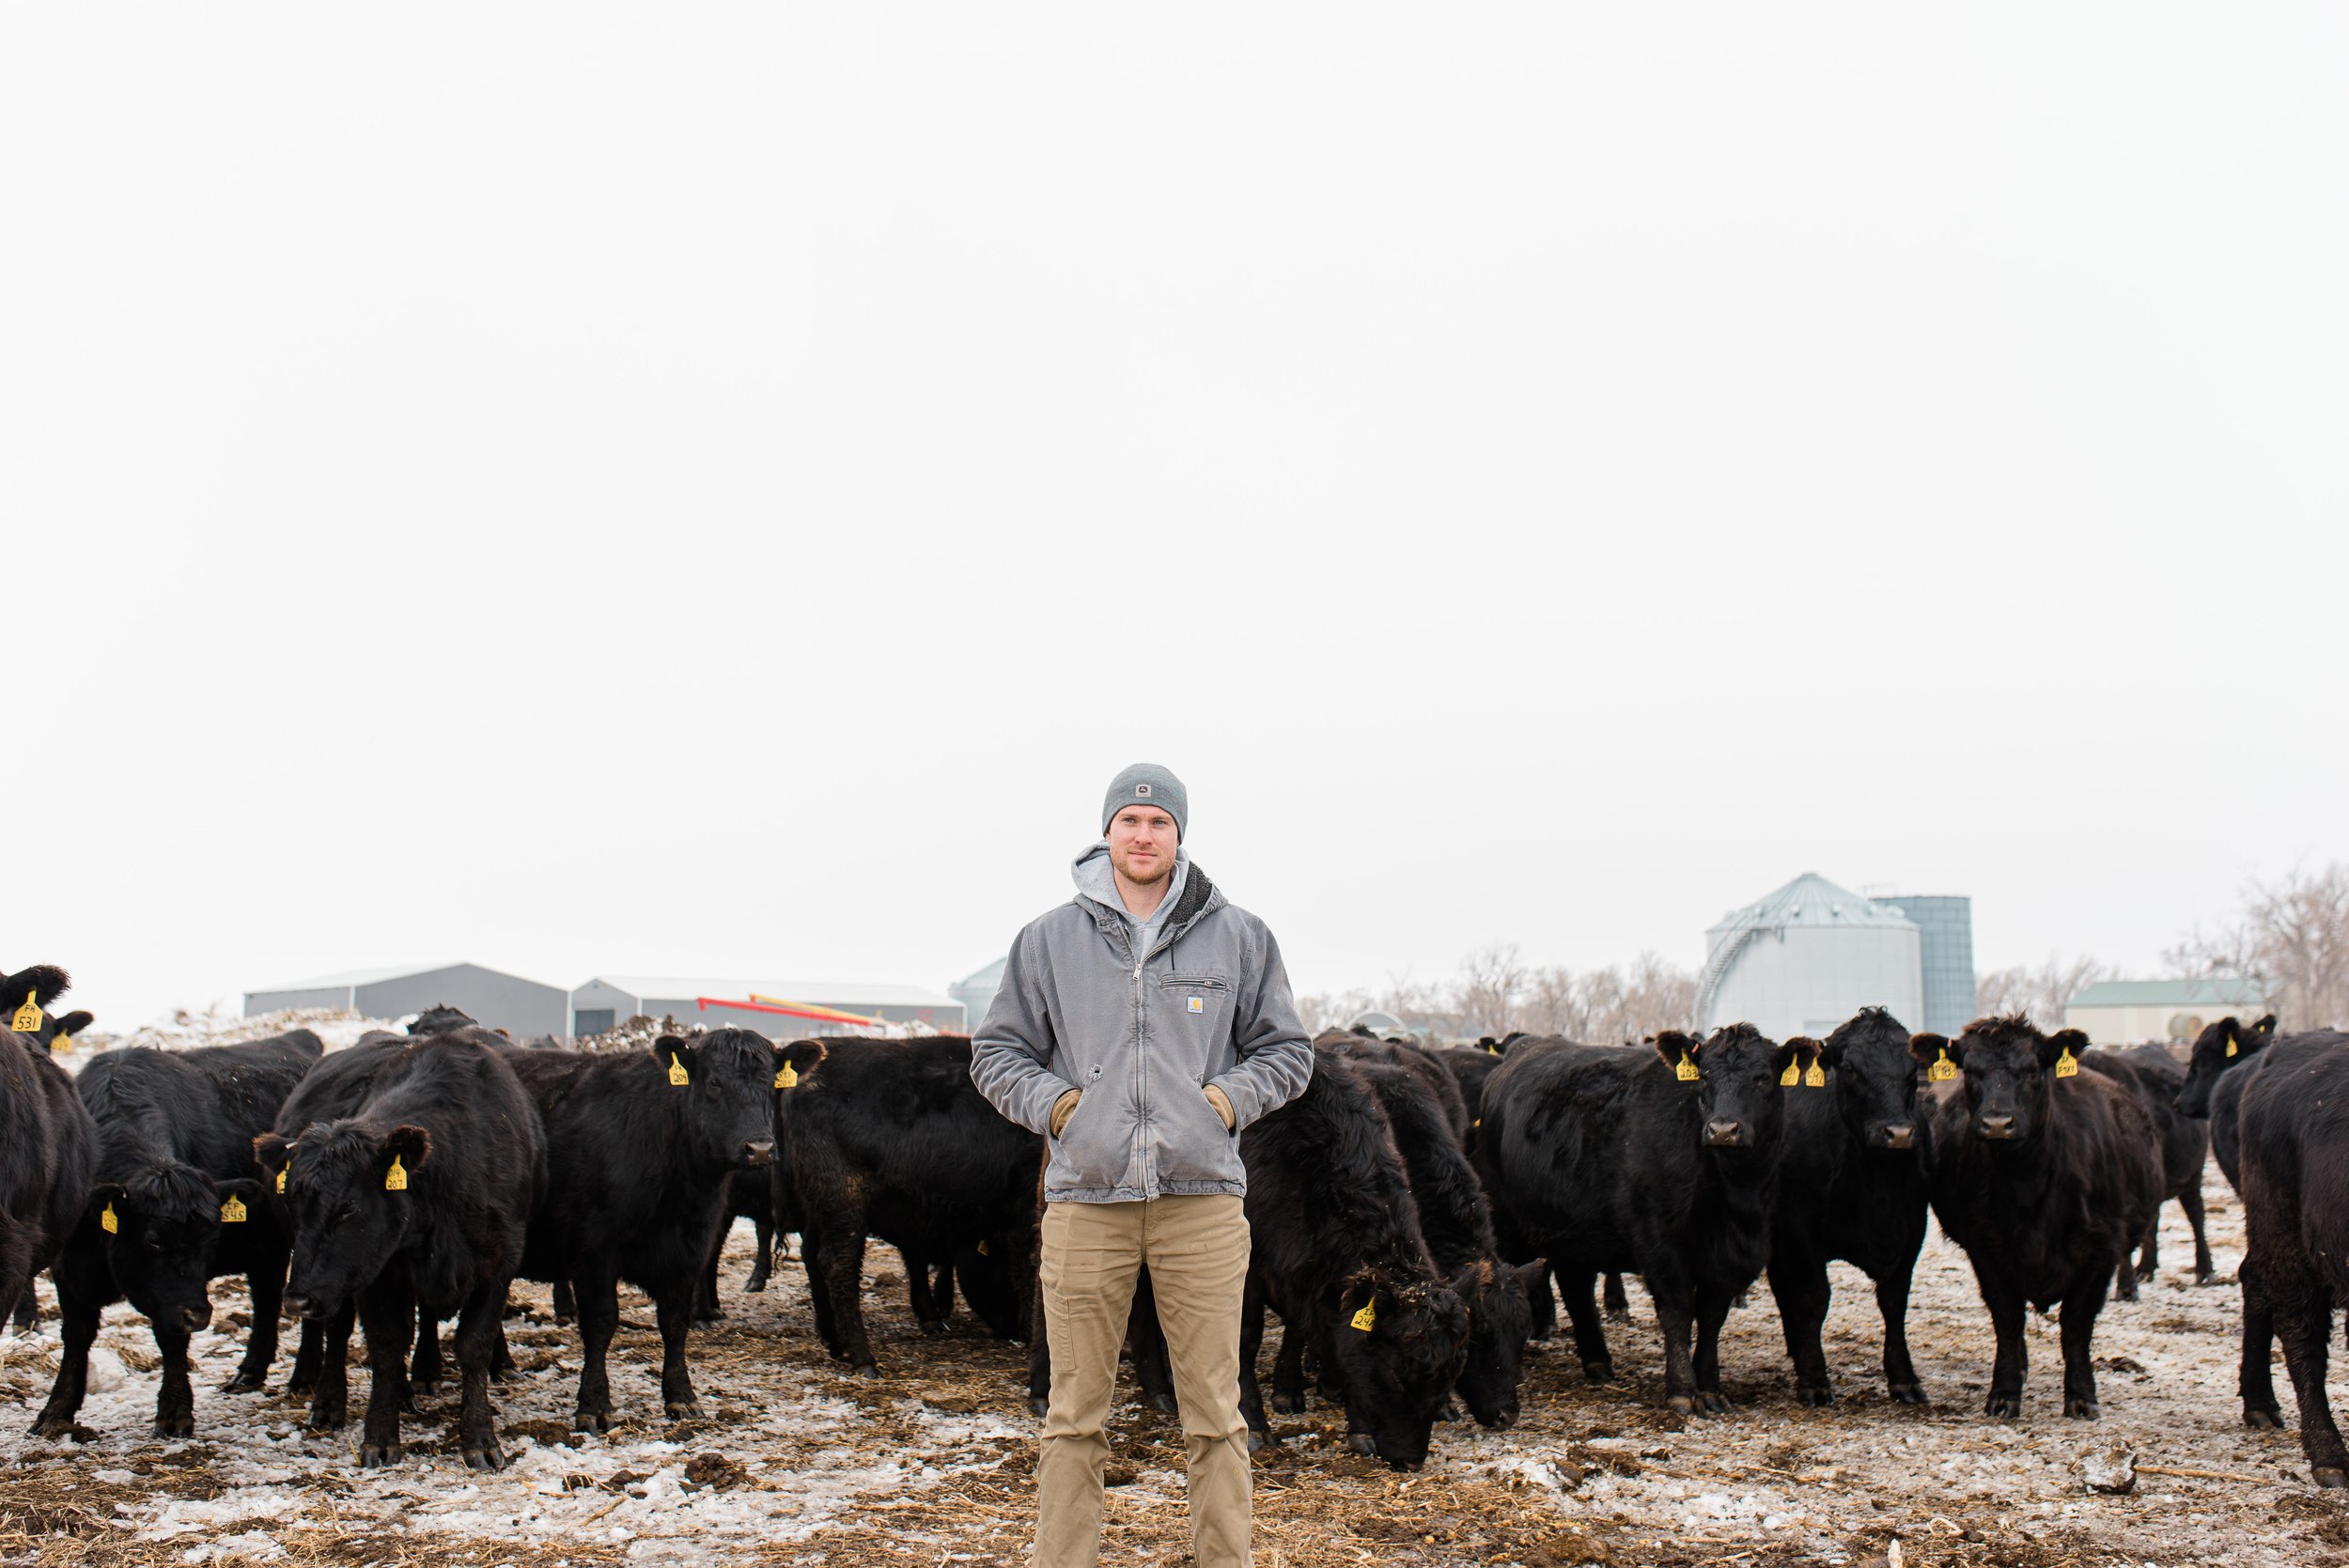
610	1000
2123	1011
522	1008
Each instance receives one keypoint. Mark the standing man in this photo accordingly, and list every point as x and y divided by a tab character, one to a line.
1140	1026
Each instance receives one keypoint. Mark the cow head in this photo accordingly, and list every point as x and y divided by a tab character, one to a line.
1400	1347
1734	1076
161	1230
41	987
2010	1070
441	1019
351	1195
1500	1319
724	1083
2218	1051
1873	1076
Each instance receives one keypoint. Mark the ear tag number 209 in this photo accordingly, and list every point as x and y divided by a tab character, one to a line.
1686	1068
678	1074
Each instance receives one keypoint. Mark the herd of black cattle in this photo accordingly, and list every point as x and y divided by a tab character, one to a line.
1409	1211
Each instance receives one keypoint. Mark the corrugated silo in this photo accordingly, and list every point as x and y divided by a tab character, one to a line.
1806	959
1945	928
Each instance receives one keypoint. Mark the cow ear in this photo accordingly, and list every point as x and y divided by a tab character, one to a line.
2053	1048
1788	1060
272	1153
107	1200
46	982
1530	1275
1829	1054
73	1023
407	1143
1928	1048
795	1060
240	1198
677	1057
2266	1025
1675	1048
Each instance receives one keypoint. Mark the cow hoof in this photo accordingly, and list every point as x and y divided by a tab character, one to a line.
1817	1398
2003	1405
755	1283
407	1406
326	1421
1540	1336
932	1328
485	1457
2080	1408
683	1410
868	1371
1037	1405
52	1426
1289	1404
2264	1417
423	1387
1906	1393
1450	1412
244	1383
376	1455
2329	1476
1619	1314
2146	1271
1164	1405
1599	1372
1259	1441
2205	1277
1362	1443
175	1426
591	1420
1713	1403
298	1385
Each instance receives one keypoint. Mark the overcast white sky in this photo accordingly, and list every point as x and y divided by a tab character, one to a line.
720	489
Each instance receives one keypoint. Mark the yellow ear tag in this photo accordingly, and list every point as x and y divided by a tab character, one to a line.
281	1177
1814	1077
395	1179
2230	1044
1792	1075
2067	1065
1492	1051
1685	1070
232	1212
785	1078
106	1220
676	1072
983	1248
1943	1069
27	1019
1368	1315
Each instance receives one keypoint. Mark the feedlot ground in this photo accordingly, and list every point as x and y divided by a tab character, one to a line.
932	1465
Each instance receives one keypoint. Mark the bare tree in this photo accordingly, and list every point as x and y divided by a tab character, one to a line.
2039	993
1490	980
2293	933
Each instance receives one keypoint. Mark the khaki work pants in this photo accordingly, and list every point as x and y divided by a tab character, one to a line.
1197	1251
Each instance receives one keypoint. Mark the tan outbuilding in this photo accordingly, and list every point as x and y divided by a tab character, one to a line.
2124	1012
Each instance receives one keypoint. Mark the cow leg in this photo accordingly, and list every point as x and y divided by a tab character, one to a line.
763	1254
818	1295
478	1340
2149	1253
27	1311
267	1286
1288	1370
2081	1307
307	1352
389	1314
502	1365
330	1401
426	1371
918	1293
2256	1378
80	1324
1900	1374
2123	1280
1153	1366
1590	1335
1678	1323
2190	1200
598	1319
174	1400
1250	1341
565	1303
1618	1303
1712	1311
1544	1305
2013	1359
1803	1293
706	1308
844	1276
674	1312
2303	1318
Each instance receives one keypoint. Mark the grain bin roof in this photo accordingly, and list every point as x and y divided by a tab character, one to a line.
1811	899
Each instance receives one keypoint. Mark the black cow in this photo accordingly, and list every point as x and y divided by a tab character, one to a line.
415	1204
2046	1176
2154	1077
2295	1207
1336	1250
1418	1060
48	1155
1456	1223
177	1204
890	1139
1852	1185
27	1000
1666	1164
641	1148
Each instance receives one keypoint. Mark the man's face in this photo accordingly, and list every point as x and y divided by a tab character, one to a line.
1141	844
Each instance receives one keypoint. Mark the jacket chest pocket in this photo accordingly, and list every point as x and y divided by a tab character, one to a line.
1197	1011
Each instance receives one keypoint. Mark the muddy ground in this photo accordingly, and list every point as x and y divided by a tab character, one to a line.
793	1462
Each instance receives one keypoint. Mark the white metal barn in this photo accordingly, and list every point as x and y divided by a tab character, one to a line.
523	1008
1807	958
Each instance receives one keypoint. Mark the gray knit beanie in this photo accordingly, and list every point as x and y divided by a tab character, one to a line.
1148	784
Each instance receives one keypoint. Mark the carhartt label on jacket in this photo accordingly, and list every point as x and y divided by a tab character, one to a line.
1198	1004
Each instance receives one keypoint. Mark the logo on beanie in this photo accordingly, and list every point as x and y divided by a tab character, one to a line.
1142	789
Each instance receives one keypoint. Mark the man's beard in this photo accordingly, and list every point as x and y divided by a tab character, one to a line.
1166	869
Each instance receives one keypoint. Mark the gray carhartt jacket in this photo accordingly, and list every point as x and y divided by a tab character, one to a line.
1208	1004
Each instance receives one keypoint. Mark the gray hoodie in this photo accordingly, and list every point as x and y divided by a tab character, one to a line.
1141	1036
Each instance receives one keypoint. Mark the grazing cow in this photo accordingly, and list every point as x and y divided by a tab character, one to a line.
2154	1077
1456	1223
640	1149
26	999
2225	1059
1433	1076
890	1139
1666	1164
48	1152
1335	1248
416	1206
2294	1127
175	1206
1852	1186
2046	1176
